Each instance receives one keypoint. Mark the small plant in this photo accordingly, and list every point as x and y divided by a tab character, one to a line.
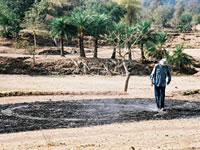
179	59
184	28
20	43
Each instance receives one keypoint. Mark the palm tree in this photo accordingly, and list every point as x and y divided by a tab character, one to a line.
129	39
98	27
81	19
4	23
145	34
61	27
155	48
179	58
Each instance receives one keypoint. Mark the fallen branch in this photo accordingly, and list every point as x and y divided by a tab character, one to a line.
106	68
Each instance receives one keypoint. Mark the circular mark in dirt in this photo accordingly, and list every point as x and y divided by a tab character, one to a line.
79	113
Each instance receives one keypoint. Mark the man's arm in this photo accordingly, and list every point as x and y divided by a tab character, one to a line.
169	75
153	75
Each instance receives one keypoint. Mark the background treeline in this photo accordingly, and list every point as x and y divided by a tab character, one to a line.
180	14
16	15
122	24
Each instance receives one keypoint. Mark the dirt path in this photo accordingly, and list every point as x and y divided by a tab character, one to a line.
139	86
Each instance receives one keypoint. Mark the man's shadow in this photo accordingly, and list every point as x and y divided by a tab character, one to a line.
91	112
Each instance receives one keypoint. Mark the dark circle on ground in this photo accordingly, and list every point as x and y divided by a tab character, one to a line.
81	113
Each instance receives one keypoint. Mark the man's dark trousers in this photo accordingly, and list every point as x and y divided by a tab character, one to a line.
159	95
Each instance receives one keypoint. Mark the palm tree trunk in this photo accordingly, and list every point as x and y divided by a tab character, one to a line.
82	52
62	47
95	47
113	53
142	52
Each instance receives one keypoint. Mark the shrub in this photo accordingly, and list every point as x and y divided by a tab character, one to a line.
196	19
20	43
179	59
184	28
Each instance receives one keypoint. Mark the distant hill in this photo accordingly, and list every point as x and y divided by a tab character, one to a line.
147	3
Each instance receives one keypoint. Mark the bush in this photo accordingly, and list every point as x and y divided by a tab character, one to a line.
185	23
20	43
184	28
196	19
179	59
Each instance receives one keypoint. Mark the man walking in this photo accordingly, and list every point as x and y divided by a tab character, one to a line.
158	79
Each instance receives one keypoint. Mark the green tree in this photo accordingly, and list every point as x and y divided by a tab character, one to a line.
95	6
196	19
186	18
155	49
59	8
98	28
162	15
61	27
185	23
112	9
178	11
81	19
130	38
12	13
133	8
9	21
35	18
145	34
115	11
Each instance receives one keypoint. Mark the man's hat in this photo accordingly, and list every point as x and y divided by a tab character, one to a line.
163	62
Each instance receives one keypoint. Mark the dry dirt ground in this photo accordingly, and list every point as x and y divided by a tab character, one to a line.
158	132
180	133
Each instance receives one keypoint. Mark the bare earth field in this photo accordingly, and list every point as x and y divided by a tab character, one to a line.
179	133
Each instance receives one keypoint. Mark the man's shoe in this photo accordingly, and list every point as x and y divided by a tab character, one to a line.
162	109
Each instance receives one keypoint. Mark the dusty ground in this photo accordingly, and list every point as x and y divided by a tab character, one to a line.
182	133
153	134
